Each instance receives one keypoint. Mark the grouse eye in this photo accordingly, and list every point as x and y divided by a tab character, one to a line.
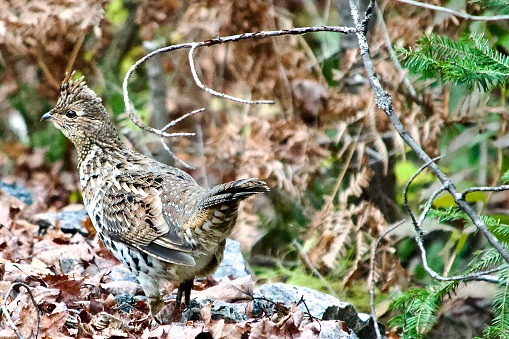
70	114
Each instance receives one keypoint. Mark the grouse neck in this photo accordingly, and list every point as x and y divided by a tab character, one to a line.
99	148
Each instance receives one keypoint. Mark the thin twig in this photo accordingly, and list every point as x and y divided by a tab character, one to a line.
173	123
412	178
170	152
4	310
137	142
176	121
367	15
47	73
419	234
417	228
456	13
484	189
312	317
218	94
74	53
411	90
372	277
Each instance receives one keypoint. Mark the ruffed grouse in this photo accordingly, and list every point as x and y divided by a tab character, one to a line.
154	218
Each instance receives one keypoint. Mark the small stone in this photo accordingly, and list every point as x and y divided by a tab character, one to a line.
125	302
69	264
344	312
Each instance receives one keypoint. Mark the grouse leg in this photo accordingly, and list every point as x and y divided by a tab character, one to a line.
185	288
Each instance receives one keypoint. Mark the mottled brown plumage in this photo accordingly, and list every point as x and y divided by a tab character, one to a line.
154	218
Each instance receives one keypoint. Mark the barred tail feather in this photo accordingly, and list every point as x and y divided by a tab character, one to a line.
234	190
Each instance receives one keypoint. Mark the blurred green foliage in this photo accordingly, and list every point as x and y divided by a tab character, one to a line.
51	139
115	12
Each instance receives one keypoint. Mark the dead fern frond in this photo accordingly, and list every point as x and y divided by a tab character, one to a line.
390	271
383	153
355	270
340	226
357	184
48	33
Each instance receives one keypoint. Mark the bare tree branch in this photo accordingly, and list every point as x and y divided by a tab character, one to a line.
484	189
211	42
456	13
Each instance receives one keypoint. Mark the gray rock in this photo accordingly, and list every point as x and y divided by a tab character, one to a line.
17	191
69	221
362	324
344	312
320	305
233	263
192	312
121	273
316	302
334	330
230	312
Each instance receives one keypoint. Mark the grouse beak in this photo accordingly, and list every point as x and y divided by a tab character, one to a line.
47	116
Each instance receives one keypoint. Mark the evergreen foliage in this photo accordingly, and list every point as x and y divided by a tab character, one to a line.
499	327
420	305
500	7
469	61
